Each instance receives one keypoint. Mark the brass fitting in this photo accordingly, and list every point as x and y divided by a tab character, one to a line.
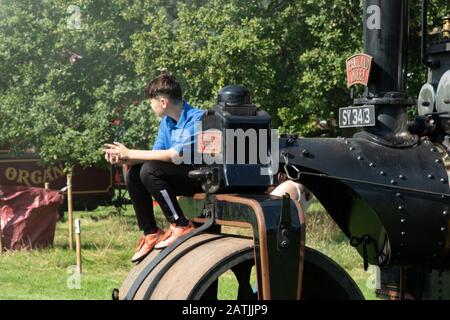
446	27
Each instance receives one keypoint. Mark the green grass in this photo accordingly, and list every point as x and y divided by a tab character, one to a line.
324	235
108	242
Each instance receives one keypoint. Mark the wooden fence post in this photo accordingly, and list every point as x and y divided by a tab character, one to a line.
78	243
70	206
1	236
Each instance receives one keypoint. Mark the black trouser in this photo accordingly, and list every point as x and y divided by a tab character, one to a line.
164	181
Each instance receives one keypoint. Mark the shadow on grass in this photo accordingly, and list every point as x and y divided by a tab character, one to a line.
94	246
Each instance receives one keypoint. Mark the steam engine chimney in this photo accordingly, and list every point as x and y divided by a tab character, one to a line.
386	39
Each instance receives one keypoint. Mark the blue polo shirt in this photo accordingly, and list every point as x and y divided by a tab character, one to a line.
177	135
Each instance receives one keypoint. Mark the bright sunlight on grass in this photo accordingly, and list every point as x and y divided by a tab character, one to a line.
108	242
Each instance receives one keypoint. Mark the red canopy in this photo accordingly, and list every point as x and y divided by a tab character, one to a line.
28	216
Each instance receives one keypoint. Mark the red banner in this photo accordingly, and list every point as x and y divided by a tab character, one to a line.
28	216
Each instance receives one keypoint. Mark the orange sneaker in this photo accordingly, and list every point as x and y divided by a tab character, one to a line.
146	245
167	232
175	233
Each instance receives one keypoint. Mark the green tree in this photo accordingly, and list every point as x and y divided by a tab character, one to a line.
290	53
65	76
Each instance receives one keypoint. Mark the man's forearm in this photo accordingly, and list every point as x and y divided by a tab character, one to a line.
147	155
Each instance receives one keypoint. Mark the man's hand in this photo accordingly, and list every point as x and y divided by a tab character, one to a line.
111	158
116	152
114	160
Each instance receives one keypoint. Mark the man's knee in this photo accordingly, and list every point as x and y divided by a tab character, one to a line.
149	171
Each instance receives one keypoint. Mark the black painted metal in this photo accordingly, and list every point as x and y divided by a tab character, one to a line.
386	41
234	95
324	279
284	224
240	124
243	272
283	264
376	191
373	184
385	188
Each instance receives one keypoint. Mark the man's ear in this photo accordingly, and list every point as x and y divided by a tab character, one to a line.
164	102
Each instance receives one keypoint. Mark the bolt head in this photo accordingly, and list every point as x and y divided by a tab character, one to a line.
284	244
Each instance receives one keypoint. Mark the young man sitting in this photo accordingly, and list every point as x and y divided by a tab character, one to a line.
153	173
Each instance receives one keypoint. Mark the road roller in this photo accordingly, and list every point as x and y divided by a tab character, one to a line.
386	187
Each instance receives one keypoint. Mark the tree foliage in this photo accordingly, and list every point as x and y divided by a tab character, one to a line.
63	83
289	53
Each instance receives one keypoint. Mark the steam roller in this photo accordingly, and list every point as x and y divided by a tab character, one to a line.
386	187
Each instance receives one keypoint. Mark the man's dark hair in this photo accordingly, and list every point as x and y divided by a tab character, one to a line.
164	85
